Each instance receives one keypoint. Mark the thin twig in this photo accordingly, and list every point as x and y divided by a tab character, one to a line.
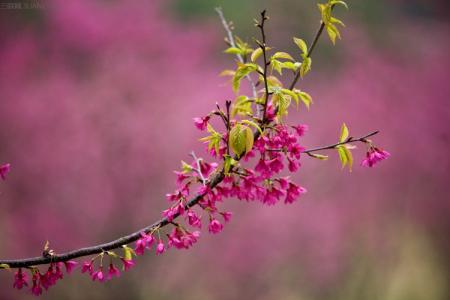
266	64
198	170
349	140
229	32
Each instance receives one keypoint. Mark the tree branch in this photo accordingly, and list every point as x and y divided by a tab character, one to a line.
215	180
349	140
266	64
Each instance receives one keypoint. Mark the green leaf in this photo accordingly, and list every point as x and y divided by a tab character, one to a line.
337	21
282	55
289	65
306	98
305	66
253	124
319	156
282	101
4	266
185	167
242	106
213	139
344	133
334	2
128	253
227	73
233	50
241	139
277	66
333	32
345	156
292	94
228	163
112	254
242	71
255	54
273	81
302	45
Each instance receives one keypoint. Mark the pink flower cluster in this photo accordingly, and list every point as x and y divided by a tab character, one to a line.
45	280
373	156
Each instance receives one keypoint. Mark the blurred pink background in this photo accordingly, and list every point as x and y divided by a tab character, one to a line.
97	100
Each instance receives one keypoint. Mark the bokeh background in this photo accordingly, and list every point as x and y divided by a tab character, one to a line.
96	106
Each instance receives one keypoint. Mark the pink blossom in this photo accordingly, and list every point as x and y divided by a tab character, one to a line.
276	165
150	239
293	192
201	123
206	168
70	265
36	289
4	169
284	183
98	275
263	168
215	226
293	165
193	219
141	244
301	129
20	279
373	156
87	267
112	271
127	264
160	247
226	216
173	211
181	177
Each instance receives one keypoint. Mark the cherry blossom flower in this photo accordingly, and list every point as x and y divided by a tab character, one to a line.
98	275
293	192
160	248
127	264
70	265
215	226
87	267
301	129
201	123
112	271
373	156
36	289
20	279
4	169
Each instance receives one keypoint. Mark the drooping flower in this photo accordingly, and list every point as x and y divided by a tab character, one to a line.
4	169
70	265
98	275
87	267
226	216
293	192
373	156
193	219
301	129
293	165
127	264
112	271
20	279
276	164
201	123
160	248
36	289
215	226
141	244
